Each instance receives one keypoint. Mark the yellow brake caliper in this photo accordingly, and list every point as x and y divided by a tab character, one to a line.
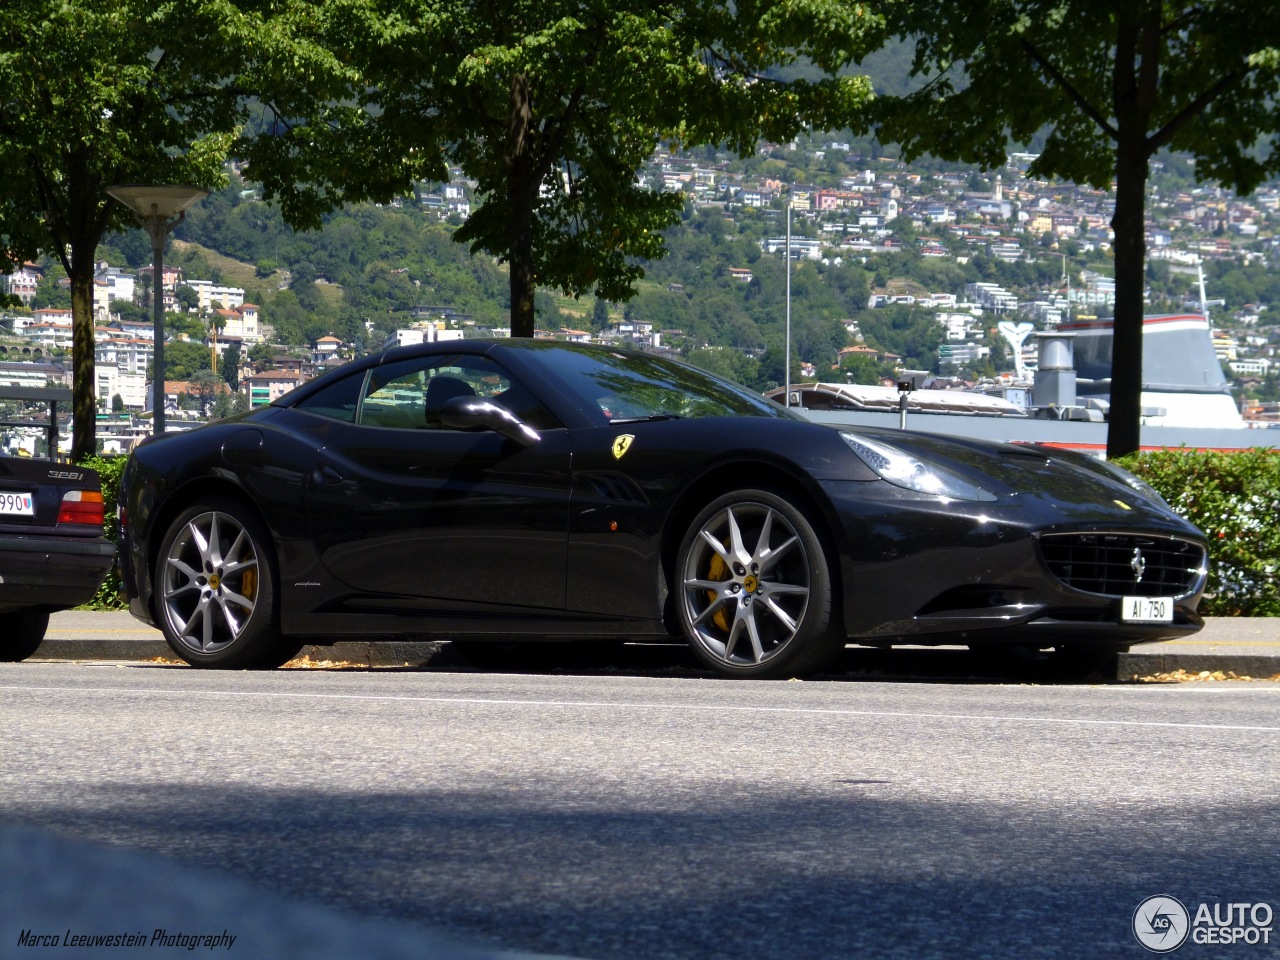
249	584
718	570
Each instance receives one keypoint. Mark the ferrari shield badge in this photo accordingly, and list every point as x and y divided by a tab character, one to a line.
621	445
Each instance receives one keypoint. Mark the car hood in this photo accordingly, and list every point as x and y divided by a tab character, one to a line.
1072	486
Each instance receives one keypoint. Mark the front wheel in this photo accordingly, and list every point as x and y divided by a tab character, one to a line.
755	591
23	632
215	588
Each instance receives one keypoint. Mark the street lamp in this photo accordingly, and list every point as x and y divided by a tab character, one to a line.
156	206
786	359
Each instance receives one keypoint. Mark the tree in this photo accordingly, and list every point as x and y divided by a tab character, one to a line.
204	386
230	367
183	359
101	92
599	315
1106	86
188	298
229	404
551	106
859	368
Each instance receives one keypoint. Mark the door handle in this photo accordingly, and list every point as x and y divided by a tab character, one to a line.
323	473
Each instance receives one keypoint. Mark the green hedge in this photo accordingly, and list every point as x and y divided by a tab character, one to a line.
1235	499
109	469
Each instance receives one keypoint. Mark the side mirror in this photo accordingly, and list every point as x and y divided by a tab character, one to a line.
476	413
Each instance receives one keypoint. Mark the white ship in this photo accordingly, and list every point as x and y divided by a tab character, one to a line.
1186	399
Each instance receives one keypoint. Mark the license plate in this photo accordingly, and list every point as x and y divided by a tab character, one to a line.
17	504
1147	610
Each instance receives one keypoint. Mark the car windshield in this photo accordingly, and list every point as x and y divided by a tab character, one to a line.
629	386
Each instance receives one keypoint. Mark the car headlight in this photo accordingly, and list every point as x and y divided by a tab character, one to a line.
903	470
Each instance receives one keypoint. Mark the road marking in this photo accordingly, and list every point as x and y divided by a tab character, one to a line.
634	705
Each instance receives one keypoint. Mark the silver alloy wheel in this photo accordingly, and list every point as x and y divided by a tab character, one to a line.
745	584
209	582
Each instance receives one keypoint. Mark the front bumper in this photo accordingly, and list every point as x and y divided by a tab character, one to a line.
916	569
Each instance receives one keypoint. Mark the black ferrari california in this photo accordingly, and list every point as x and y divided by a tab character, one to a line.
526	490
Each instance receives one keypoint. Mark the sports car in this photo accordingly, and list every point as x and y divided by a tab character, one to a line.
528	490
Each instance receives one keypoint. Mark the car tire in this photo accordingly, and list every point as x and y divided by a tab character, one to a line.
754	596
215	589
23	633
1065	662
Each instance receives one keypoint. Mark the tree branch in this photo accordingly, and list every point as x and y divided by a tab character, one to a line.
1069	89
1165	134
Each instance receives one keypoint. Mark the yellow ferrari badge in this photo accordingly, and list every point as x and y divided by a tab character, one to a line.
621	445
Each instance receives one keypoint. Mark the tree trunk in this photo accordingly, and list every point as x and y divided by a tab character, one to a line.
521	192
1134	89
84	401
1124	431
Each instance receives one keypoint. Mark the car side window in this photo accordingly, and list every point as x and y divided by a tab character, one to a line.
338	401
411	394
395	401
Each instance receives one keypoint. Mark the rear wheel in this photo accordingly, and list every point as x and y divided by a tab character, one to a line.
23	632
216	589
755	592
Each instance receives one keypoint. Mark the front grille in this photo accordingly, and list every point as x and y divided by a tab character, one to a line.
1121	565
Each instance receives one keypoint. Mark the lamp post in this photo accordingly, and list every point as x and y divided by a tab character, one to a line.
156	206
786	359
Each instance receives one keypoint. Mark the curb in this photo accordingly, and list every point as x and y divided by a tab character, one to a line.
424	653
1242	665
1245	646
366	653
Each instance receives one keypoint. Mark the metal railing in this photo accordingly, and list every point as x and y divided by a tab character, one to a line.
51	397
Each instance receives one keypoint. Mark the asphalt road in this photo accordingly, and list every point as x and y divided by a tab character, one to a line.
652	817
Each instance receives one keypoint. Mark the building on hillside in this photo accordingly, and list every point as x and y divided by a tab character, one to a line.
216	296
262	388
114	382
240	323
39	373
170	278
49	336
22	282
325	348
117	284
54	316
134	329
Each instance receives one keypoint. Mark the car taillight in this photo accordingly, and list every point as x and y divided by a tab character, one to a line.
81	506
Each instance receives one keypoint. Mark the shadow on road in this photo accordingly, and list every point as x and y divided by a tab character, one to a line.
855	664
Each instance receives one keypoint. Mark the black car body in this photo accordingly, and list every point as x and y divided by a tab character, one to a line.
53	554
533	489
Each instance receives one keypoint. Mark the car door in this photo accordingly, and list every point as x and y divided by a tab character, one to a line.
401	506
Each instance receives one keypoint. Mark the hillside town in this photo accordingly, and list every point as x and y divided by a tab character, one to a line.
885	208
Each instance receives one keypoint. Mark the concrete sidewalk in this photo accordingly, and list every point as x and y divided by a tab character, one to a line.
1245	646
